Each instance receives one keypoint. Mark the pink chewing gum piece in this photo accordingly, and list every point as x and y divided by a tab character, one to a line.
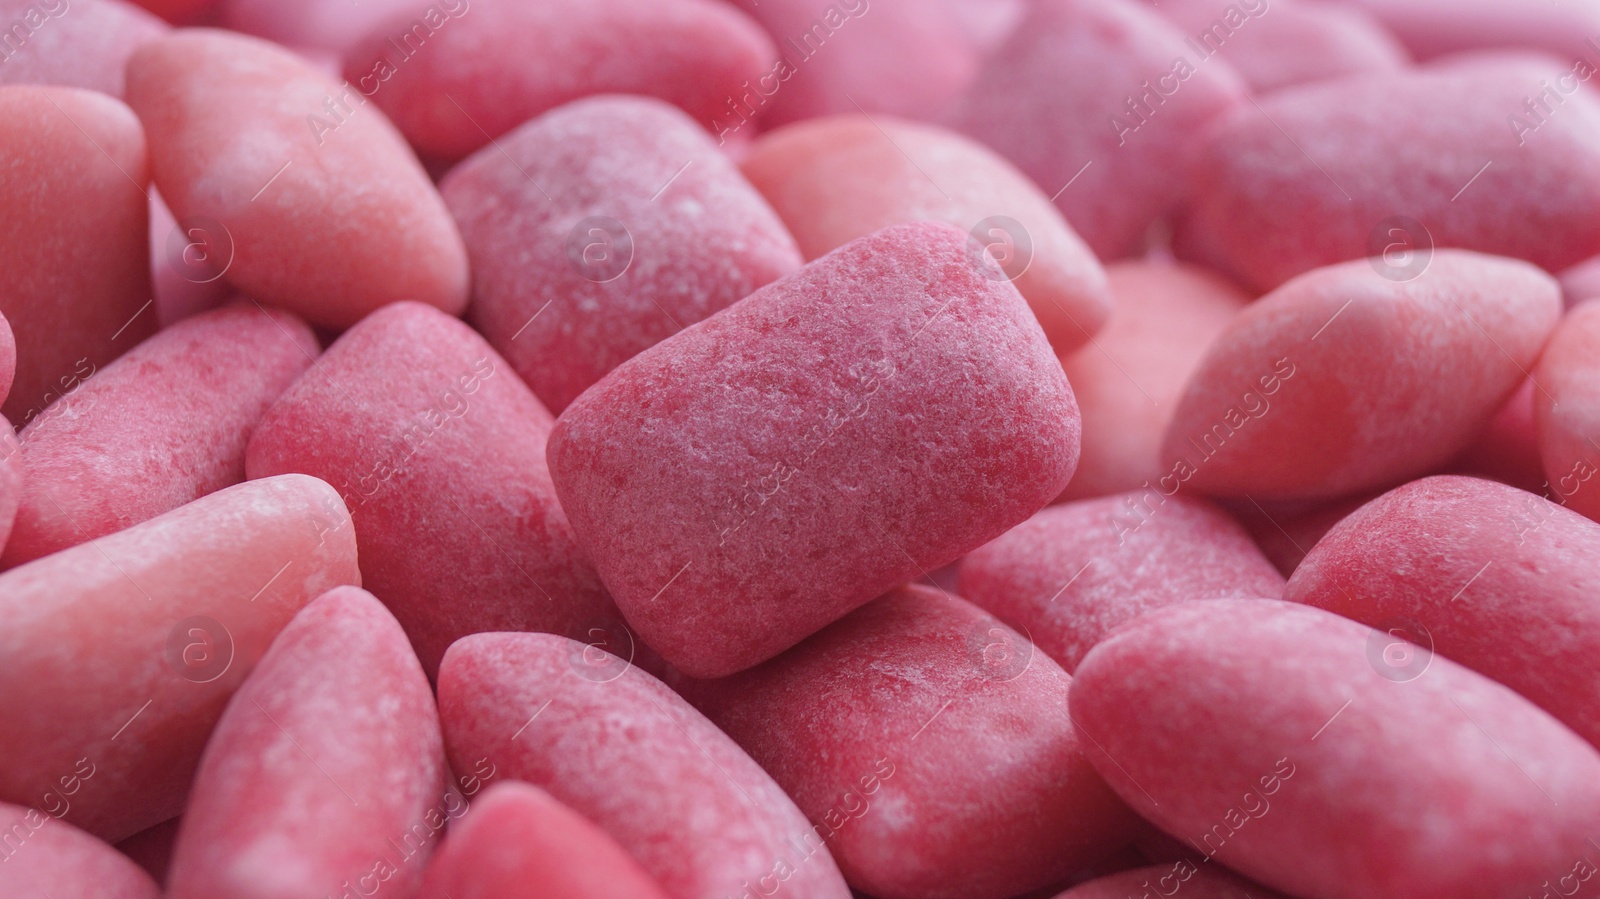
1343	380
1318	175
1129	381
1301	41
465	73
1100	102
871	417
330	25
161	426
902	57
43	857
834	180
1275	739
1490	576
73	238
73	43
1071	574
1567	411
322	206
1581	282
8	358
1196	882
517	835
1436	27
620	748
946	768
327	770
601	228
121	653
438	451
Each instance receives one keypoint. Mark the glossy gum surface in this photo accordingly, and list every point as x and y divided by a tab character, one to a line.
74	238
47	858
329	213
73	43
1071	574
930	746
620	748
161	426
837	179
566	298
103	662
1343	380
326	771
871	417
1264	733
1567	411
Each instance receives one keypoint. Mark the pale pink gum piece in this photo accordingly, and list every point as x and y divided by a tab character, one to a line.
839	432
73	238
151	848
161	426
1073	573
834	180
477	70
10	479
72	43
621	749
1567	411
1275	44
1488	575
1321	173
327	770
1436	27
1263	734
1129	380
930	748
438	450
329	213
1581	282
47	858
104	661
518	835
565	298
8	357
1508	449
1343	380
901	57
1049	98
1195	879
328	25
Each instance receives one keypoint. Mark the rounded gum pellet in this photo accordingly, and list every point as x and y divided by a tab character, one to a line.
8	358
1566	412
618	747
42	856
601	228
73	43
834	180
326	770
1327	759
839	432
312	198
1196	882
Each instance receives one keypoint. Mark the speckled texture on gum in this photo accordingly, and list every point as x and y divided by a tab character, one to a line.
1071	574
87	631
45	857
1439	786
1567	411
330	751
1390	379
626	752
987	793
903	408
79	43
163	425
702	238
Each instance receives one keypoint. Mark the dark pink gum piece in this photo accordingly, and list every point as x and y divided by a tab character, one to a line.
10	480
761	474
618	747
1073	573
1507	450
327	770
1282	742
1314	177
1104	96
518	835
944	767
44	857
325	210
151	848
1343	380
1195	879
475	71
73	43
601	228
123	651
1567	412
1490	576
438	450
163	425
75	236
